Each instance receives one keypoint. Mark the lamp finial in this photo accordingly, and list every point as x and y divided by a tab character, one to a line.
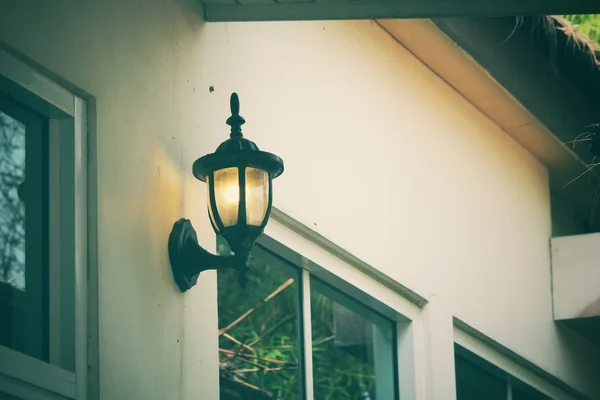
236	120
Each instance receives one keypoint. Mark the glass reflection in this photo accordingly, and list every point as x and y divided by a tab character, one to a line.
12	208
474	383
353	348
23	272
259	330
520	391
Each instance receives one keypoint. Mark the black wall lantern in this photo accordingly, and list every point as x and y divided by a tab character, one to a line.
239	179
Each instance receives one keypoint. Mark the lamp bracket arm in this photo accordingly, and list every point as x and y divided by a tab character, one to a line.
188	258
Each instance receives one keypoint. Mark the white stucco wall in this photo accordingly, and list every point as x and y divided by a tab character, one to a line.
382	157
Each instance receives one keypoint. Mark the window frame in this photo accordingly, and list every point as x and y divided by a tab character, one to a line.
426	331
311	274
474	346
315	259
20	374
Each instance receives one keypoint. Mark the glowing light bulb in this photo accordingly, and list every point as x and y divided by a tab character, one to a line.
232	194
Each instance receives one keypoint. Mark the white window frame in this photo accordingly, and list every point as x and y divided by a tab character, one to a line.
21	375
479	346
363	283
426	330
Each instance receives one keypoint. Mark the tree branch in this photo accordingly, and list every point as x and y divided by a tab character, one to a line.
234	340
257	306
273	329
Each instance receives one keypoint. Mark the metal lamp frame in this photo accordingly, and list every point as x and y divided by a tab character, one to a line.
188	259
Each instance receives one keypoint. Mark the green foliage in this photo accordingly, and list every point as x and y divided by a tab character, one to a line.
271	330
338	373
588	24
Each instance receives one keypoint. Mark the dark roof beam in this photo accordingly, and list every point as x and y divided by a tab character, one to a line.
296	10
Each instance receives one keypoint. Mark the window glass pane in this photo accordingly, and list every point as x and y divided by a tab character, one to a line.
4	396
524	392
478	379
12	208
353	348
36	278
475	383
259	345
23	235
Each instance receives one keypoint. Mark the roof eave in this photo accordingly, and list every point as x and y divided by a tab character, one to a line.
517	87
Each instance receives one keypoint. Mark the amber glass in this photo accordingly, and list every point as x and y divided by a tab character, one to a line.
257	195
227	195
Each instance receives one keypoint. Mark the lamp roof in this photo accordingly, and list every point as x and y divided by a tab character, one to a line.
237	151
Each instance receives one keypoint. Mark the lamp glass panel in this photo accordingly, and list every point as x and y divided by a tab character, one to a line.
210	210
227	195
257	195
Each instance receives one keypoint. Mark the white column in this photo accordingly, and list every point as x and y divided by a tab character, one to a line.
438	329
